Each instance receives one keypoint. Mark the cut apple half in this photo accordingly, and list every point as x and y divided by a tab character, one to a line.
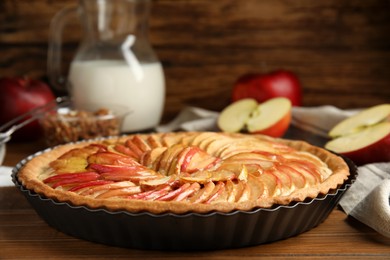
361	120
271	118
372	144
363	137
234	117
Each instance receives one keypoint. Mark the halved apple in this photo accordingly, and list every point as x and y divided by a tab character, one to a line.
361	120
234	117
271	118
369	145
364	137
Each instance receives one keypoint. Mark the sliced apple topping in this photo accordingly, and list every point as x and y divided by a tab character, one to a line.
153	141
121	192
257	187
243	175
298	180
312	177
192	168
157	182
197	159
167	157
74	160
70	179
218	144
123	149
152	194
207	176
87	185
125	175
194	187
111	158
254	158
203	193
149	158
217	191
95	190
176	192
272	183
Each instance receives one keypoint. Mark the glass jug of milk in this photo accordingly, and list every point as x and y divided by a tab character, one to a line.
114	63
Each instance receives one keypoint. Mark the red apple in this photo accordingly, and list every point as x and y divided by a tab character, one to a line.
20	95
261	87
234	117
271	118
364	137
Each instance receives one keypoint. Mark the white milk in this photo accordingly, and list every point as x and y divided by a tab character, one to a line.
106	81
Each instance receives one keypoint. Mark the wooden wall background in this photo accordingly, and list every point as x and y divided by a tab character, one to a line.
339	49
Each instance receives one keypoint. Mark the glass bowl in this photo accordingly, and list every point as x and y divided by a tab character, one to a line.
64	124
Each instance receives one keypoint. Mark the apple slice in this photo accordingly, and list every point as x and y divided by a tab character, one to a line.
188	192
89	184
69	179
234	117
271	183
110	185
151	194
218	190
369	145
271	118
111	158
126	191
174	193
359	121
298	179
363	137
204	193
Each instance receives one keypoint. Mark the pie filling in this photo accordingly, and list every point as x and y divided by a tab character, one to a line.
181	172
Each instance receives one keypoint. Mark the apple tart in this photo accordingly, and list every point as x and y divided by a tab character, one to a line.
184	172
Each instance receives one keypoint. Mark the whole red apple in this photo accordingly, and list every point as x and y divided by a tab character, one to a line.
262	87
19	95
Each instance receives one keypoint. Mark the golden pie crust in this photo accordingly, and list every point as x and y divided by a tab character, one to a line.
184	172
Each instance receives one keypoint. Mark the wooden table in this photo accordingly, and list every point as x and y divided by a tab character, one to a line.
24	235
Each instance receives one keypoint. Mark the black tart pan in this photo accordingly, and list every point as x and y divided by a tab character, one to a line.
184	232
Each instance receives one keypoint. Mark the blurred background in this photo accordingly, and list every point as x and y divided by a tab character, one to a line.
340	50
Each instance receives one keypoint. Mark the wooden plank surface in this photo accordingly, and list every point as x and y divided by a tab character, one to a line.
339	49
24	235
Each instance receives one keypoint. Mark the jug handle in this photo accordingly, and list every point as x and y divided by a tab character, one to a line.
54	69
